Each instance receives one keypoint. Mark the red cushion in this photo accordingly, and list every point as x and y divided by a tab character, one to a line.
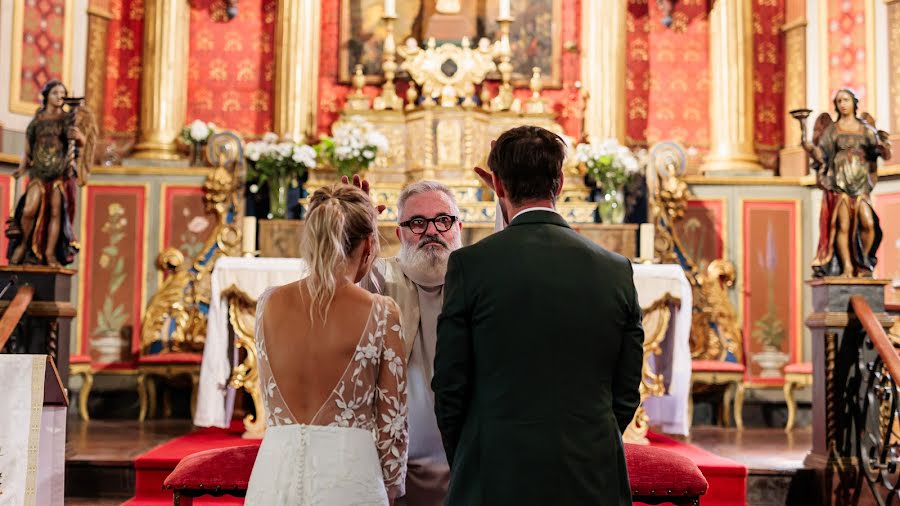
219	469
715	366
657	472
801	368
171	358
79	359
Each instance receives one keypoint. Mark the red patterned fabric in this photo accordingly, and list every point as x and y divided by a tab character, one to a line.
715	366
847	49
657	472
123	68
232	66
171	358
79	359
219	469
43	27
801	368
768	78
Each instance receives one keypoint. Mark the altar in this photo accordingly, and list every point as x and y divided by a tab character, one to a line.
663	292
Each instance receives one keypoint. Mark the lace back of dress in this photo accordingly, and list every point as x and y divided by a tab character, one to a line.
351	403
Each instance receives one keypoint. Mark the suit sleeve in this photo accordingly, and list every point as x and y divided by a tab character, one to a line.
453	362
627	379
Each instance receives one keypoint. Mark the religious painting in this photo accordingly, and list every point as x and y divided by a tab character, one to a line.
701	232
7	190
112	262
41	49
186	224
771	287
535	39
887	206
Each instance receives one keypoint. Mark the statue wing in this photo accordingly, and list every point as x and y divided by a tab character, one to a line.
822	122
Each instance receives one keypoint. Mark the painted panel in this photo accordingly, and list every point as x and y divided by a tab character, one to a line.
112	267
185	222
887	206
770	234
702	231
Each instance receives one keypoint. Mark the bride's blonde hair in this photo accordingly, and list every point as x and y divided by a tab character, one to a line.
340	218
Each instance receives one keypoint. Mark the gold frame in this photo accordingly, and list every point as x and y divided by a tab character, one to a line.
82	258
798	265
16	104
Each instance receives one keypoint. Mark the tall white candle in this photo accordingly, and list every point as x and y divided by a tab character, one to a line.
504	9
248	234
390	7
647	231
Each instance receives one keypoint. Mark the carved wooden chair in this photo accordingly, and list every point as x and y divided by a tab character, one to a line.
80	365
795	375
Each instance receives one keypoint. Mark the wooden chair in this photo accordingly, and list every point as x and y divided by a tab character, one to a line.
168	366
81	365
795	375
720	372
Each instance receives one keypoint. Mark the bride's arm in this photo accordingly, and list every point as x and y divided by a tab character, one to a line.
390	407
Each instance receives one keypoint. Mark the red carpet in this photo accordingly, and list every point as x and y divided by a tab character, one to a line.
727	479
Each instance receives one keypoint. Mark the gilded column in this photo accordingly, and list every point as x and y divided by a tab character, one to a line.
297	68
893	8
793	158
95	65
731	92
603	68
164	78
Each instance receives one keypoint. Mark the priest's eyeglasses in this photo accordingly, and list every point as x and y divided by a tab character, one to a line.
418	225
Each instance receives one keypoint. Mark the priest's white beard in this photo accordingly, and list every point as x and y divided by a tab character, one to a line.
427	266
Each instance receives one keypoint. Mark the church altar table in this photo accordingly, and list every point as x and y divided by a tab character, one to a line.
254	275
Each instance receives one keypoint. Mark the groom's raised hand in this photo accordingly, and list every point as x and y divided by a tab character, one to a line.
363	185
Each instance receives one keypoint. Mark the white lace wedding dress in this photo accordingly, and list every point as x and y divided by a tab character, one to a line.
353	451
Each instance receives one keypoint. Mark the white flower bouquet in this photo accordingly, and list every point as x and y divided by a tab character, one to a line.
611	165
277	164
197	132
353	146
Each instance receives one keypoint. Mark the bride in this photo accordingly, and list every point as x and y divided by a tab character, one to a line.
331	369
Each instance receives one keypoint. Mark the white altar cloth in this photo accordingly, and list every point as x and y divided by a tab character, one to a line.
254	275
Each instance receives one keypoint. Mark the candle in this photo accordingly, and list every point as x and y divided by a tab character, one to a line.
647	231
248	235
504	9
390	8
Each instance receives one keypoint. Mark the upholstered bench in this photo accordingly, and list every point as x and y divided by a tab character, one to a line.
657	476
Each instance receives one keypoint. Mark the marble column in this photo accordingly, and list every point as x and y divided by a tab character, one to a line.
297	68
731	92
164	78
603	68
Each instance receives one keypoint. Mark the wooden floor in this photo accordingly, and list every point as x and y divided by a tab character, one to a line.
99	457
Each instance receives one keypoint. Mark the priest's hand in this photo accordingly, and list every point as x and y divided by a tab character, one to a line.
363	185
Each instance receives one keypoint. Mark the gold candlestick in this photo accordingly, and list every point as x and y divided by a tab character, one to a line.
389	98
504	99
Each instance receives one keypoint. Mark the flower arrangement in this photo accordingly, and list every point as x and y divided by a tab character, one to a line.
195	135
353	146
611	165
278	164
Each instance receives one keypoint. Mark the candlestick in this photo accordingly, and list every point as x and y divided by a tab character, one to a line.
248	236
647	231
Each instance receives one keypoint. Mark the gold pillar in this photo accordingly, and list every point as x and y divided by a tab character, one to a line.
731	92
603	68
893	8
164	78
297	68
95	64
792	158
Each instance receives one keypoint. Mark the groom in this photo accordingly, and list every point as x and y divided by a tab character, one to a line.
539	348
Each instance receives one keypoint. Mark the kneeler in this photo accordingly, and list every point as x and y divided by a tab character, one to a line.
657	476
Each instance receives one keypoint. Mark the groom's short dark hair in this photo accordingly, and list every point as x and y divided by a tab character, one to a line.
528	160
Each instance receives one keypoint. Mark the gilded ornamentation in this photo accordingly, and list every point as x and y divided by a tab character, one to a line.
242	316
175	319
715	331
448	70
656	320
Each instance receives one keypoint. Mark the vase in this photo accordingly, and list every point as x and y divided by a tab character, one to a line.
771	360
278	198
197	155
611	206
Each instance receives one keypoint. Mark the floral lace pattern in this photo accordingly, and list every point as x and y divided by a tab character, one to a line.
370	395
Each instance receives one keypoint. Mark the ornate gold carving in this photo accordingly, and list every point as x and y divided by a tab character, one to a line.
731	88
388	98
163	78
536	105
357	100
242	316
656	321
431	69
174	317
297	68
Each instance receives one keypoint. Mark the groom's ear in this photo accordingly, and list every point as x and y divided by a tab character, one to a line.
498	186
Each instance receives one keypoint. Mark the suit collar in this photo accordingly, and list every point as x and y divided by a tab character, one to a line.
539	217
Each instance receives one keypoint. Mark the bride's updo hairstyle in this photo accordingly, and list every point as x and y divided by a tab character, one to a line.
340	217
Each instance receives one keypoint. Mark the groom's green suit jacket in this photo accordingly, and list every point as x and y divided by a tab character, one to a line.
537	368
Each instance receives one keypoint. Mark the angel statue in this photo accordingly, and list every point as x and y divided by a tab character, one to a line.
844	156
59	151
